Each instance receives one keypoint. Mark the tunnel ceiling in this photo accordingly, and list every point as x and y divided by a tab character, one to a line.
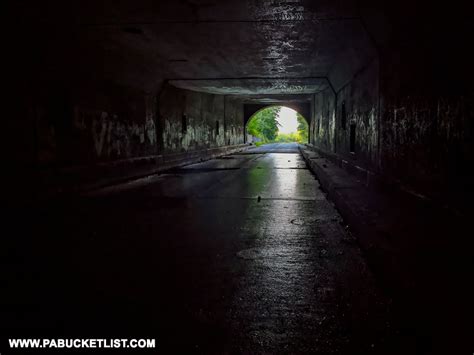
274	99
224	47
267	86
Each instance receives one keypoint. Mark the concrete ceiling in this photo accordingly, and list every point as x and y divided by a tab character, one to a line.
247	47
251	86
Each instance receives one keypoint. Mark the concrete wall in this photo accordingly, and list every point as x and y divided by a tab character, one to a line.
323	125
410	127
85	127
195	121
427	122
93	135
358	101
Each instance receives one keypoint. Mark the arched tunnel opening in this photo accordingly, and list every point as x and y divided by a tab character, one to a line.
155	192
277	124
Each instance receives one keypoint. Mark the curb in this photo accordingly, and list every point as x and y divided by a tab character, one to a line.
383	258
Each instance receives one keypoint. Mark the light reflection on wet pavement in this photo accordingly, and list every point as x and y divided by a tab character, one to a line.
240	254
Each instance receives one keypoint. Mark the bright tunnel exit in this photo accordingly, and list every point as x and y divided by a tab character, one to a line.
287	121
277	124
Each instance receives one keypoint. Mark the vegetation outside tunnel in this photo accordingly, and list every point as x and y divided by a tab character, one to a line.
278	124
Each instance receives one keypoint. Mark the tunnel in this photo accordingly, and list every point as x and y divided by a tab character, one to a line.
138	208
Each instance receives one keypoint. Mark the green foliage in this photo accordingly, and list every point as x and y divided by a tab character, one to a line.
301	136
303	129
264	124
287	137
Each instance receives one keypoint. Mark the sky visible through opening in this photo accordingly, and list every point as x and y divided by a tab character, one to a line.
287	119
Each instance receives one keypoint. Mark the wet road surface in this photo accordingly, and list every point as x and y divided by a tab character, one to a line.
240	254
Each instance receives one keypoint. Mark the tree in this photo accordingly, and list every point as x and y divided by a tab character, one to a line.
302	129
264	124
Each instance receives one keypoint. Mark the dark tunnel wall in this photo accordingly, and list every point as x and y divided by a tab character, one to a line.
88	136
357	108
322	128
209	121
103	124
410	126
356	105
119	123
427	122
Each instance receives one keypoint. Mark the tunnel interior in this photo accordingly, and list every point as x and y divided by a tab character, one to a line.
134	93
100	87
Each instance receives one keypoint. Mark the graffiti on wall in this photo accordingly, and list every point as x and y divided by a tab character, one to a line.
112	136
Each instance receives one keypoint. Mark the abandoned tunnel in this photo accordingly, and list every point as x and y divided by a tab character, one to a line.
138	207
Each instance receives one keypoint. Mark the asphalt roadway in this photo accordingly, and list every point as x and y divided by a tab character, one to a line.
240	254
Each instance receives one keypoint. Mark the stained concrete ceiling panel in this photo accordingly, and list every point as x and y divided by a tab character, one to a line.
269	86
152	11
143	43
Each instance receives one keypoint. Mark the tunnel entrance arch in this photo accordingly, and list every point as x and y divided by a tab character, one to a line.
303	110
